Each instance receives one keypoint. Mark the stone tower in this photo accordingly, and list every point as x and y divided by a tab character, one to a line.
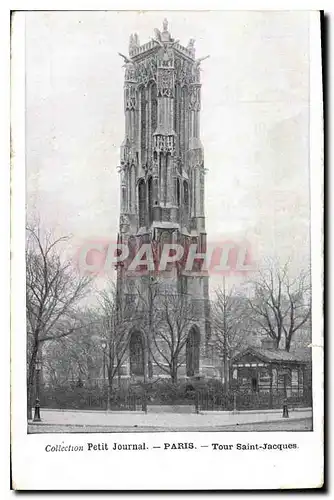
162	187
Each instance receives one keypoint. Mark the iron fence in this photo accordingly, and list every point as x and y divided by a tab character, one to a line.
81	398
206	401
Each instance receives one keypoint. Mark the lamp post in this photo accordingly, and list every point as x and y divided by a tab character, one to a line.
37	414
106	366
104	346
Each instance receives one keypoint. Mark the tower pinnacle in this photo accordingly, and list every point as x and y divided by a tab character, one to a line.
162	182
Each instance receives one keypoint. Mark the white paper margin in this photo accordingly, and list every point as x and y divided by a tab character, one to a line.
156	469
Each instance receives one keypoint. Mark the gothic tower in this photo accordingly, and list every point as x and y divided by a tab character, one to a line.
162	187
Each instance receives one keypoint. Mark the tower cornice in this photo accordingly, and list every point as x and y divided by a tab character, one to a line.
161	39
161	53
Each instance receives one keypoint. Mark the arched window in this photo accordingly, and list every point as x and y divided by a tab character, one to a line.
192	352
185	119
124	199
166	160
177	115
142	202
154	107
193	188
185	202
130	187
201	192
143	134
185	193
178	192
136	354
175	110
150	200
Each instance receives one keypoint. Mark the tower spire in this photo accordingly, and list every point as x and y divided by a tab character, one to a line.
162	187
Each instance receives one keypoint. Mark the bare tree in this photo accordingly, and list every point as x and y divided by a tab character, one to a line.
298	292
53	293
168	319
281	305
119	317
78	357
231	324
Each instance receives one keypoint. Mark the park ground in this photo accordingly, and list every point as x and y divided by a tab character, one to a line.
60	421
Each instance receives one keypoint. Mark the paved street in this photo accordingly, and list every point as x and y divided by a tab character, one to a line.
77	421
304	424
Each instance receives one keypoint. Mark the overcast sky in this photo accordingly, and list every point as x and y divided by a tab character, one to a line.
254	121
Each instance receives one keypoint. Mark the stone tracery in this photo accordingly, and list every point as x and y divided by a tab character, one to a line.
162	184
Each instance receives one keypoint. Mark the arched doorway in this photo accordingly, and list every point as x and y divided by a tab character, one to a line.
192	352
136	353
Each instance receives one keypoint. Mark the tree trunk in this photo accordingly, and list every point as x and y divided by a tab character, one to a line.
30	382
111	374
109	391
174	370
109	396
226	378
271	387
119	377
174	374
29	402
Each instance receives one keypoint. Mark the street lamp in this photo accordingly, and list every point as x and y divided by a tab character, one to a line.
104	346
37	414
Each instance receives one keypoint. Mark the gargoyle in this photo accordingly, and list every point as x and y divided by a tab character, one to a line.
157	41
198	61
126	59
157	35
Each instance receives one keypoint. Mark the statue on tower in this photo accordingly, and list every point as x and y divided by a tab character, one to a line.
157	35
133	42
191	47
136	39
165	35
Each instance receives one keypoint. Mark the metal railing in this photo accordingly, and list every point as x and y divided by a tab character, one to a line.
206	401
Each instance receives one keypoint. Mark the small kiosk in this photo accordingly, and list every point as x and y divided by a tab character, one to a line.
263	377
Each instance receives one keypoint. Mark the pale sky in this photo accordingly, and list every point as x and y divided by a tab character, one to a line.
254	122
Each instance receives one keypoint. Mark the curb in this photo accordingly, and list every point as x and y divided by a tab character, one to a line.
231	424
251	412
104	412
203	412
